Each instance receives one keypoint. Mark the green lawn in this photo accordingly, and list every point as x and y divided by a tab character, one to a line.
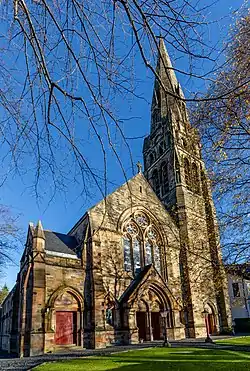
158	359
243	340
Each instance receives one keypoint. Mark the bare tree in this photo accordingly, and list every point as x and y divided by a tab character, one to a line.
225	129
72	63
9	233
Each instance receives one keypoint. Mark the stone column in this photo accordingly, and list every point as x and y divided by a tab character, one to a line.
149	327
133	330
37	331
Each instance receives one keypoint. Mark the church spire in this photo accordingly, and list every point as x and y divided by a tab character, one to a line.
167	95
166	72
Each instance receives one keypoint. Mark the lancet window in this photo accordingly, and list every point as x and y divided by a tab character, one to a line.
142	244
164	178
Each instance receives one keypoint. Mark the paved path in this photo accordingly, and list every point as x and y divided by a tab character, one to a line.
28	363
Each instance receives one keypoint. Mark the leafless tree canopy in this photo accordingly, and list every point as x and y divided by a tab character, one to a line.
225	129
9	231
66	66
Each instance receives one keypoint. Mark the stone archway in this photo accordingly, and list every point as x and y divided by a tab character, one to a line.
211	319
140	309
147	308
64	318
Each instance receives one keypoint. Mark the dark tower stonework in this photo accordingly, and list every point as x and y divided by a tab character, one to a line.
175	169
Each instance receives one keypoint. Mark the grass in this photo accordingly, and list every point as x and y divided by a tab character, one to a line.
242	340
158	359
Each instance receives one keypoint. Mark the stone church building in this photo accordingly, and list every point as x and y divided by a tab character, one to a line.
145	259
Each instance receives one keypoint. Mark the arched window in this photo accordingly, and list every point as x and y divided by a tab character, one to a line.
187	173
142	244
195	178
156	183
161	149
151	158
148	253
164	178
127	254
137	255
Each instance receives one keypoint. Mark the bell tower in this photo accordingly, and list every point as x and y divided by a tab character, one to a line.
175	169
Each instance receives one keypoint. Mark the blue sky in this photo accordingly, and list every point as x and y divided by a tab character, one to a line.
67	207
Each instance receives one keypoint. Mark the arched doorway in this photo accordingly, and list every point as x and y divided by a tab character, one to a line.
66	307
149	321
211	319
65	317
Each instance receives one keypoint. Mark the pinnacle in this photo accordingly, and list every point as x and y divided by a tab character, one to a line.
39	233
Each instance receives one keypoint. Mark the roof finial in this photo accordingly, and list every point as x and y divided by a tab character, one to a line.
139	167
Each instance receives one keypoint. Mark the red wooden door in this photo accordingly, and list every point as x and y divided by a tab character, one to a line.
211	324
64	328
155	321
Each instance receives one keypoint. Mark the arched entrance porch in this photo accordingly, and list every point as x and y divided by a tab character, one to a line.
144	318
140	309
64	318
149	322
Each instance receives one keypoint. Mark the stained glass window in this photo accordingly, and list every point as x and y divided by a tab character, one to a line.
131	228
148	253
142	220
152	234
142	244
127	254
136	255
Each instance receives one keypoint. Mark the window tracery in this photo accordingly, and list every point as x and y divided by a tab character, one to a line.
142	244
127	254
136	255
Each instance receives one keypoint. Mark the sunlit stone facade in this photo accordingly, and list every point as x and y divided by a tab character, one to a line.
151	246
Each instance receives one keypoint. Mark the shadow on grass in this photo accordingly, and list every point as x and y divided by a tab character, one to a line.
178	354
237	341
182	365
159	359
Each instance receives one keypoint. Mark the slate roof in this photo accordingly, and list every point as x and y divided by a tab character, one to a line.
134	284
61	243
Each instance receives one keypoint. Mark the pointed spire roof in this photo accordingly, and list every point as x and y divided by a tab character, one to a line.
166	72
39	233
